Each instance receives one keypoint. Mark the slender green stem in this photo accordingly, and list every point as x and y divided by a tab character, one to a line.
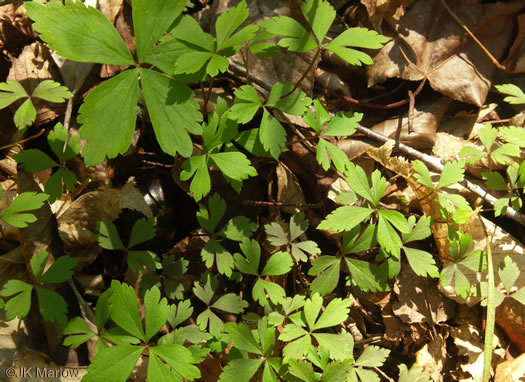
308	69
491	312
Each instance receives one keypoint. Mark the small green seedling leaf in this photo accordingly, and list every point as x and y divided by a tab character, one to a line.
296	38
516	95
109	237
77	333
113	364
52	306
156	312
356	38
10	92
125	309
27	201
20	303
51	91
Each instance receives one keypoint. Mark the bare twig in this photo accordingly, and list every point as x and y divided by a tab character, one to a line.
465	28
23	140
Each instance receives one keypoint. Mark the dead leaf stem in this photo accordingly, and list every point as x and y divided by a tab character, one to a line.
465	28
23	140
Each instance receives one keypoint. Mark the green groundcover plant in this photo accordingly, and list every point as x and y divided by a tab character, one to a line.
242	305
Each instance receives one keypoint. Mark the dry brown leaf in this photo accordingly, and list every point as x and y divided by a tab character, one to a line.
31	67
425	124
432	357
515	61
430	44
418	301
511	371
77	223
376	10
288	188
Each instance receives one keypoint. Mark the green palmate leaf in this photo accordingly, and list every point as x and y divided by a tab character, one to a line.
238	228
495	181
326	282
25	115
367	375
319	119
201	183
421	230
52	306
311	309
327	151
453	276
421	262
387	236
79	33
125	309
142	231
514	135
158	371
272	134
334	314
151	19
17	306
343	124
412	375
338	371
243	338
298	225
247	102
78	332
345	218
230	303
355	243
504	153
234	165
156	312
365	275
34	160
60	271
297	39
57	138
250	263
302	370
217	208
356	38
189	30
38	263
262	287
103	309
228	22
320	15
180	359
109	237
298	348
294	103
452	173
138	259
107	120
113	364
487	135
54	184
173	112
276	235
241	370
358	182
422	174
27	201
516	95
278	264
372	356
180	313
11	91
340	346
471	154
51	91
508	272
